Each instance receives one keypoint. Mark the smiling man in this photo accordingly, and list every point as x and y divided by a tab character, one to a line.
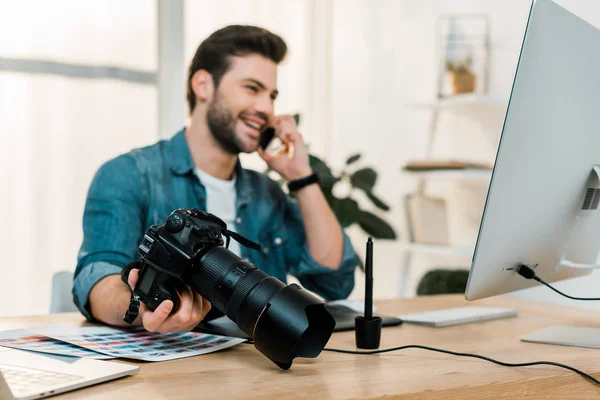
232	88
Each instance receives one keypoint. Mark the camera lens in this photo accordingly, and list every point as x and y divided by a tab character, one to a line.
284	320
234	286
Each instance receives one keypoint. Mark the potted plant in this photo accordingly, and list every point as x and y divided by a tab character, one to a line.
345	207
461	76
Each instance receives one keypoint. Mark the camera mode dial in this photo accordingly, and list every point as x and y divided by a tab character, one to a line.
174	223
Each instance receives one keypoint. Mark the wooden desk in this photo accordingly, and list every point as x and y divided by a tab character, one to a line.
242	372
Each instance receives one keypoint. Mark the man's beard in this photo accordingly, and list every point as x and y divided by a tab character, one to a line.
221	123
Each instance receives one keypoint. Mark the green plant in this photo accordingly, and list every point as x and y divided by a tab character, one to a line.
347	209
459	67
443	281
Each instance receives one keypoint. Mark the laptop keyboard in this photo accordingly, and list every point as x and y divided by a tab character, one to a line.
21	380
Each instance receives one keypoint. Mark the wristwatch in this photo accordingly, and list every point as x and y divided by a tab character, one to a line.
298	184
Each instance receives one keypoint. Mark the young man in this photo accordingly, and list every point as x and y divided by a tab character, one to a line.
232	87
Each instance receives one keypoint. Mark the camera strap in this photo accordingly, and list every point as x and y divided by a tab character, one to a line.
134	303
240	239
134	309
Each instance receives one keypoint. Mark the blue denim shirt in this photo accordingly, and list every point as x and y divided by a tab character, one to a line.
140	188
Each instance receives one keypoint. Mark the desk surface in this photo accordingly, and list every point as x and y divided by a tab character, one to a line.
242	372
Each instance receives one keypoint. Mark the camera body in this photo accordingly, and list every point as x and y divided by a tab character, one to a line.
170	252
284	321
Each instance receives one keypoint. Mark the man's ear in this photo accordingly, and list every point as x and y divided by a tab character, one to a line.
203	85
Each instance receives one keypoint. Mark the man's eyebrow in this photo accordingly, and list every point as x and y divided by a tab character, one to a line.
261	85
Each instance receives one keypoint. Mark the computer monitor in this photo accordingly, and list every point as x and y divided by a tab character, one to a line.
542	204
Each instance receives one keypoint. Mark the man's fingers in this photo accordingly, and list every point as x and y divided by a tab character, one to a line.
192	310
152	320
179	321
132	279
201	307
294	137
184	315
265	156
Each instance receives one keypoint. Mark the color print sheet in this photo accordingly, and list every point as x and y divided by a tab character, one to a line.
23	339
140	344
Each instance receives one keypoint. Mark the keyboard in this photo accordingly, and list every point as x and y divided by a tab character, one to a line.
458	315
21	380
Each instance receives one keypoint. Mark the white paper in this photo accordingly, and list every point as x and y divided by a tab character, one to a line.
139	344
24	339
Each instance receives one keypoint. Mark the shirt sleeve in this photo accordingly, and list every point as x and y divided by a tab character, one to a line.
328	283
112	226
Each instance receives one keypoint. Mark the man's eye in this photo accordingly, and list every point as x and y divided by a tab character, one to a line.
252	89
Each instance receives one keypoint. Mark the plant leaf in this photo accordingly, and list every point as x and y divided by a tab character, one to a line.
377	201
325	175
346	210
375	226
319	165
364	179
353	158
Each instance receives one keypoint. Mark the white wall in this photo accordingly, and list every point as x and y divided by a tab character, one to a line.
55	132
385	58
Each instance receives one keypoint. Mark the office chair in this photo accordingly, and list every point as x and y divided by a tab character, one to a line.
62	299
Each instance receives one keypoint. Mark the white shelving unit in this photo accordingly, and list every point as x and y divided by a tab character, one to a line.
462	102
471	106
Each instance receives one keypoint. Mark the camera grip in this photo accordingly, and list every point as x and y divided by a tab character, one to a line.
153	289
161	294
127	269
176	303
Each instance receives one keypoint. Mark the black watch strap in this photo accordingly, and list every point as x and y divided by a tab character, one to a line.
298	184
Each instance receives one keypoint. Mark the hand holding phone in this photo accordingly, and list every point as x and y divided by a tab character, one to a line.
271	144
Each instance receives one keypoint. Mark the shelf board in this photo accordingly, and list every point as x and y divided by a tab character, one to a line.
463	102
439	249
466	174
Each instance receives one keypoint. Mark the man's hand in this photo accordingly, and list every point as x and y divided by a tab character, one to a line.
292	161
192	310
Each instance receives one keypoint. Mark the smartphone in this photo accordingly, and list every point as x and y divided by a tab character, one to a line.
271	144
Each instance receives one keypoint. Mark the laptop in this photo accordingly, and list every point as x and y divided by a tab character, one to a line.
26	375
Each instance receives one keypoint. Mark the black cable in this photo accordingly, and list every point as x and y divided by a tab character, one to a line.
504	364
529	273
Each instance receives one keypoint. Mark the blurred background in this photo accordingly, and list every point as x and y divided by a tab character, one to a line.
417	88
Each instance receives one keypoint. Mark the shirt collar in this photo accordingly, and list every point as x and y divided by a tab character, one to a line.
181	163
180	158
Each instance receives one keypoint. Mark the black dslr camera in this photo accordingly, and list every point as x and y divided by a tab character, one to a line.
284	321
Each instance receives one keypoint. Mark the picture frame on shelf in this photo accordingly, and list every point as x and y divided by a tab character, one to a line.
464	54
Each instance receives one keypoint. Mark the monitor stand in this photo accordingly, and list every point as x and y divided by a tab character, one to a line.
576	336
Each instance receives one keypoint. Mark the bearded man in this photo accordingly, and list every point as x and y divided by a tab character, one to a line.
232	89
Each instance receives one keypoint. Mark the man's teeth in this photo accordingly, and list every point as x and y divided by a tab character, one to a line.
252	124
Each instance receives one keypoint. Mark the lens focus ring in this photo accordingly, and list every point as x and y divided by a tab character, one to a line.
243	287
214	265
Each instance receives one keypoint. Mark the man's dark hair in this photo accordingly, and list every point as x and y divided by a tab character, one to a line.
235	40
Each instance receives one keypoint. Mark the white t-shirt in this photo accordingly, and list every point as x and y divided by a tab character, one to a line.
220	201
